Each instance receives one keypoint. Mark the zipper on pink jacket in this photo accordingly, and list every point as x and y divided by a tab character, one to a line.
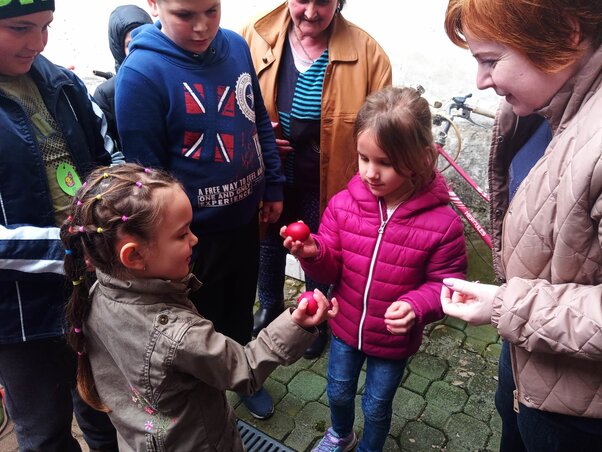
381	230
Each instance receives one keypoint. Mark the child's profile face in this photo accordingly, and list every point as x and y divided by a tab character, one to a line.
191	24
21	40
377	172
170	250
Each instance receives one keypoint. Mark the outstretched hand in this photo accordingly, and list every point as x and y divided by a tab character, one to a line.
297	248
325	311
468	301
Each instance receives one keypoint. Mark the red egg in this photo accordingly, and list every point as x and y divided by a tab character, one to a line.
298	231
312	304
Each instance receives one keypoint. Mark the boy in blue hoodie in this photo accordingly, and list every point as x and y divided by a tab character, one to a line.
188	100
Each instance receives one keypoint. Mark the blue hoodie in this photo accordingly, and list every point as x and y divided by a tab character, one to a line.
201	117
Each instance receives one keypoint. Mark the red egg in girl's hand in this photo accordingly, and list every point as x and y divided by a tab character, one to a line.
297	231
312	304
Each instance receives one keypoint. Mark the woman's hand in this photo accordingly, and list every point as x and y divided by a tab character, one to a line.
307	248
325	311
400	317
270	211
284	146
469	301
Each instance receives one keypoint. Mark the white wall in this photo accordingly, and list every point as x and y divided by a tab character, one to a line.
411	32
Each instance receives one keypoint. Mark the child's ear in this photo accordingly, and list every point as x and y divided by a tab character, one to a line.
130	256
153	8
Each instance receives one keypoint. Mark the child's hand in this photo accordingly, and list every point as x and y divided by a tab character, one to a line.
325	311
307	248
470	301
400	317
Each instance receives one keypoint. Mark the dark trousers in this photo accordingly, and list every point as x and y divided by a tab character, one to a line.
536	430
227	265
39	378
298	205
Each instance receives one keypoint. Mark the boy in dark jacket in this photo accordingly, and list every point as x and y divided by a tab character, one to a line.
51	136
123	20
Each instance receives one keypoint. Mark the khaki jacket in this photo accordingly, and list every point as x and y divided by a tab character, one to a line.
547	249
163	370
357	66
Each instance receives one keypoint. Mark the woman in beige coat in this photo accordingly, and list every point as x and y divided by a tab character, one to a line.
545	179
315	70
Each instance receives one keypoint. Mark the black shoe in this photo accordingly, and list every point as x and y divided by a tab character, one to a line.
264	316
316	349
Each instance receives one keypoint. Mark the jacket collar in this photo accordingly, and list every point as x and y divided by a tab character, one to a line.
568	100
340	47
147	291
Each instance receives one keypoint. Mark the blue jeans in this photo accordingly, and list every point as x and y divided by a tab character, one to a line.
383	377
536	430
39	378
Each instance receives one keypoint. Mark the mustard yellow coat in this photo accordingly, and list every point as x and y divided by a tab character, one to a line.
357	66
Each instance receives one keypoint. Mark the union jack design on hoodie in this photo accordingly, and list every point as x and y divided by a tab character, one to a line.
201	117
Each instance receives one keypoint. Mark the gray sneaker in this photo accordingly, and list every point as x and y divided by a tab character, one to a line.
331	442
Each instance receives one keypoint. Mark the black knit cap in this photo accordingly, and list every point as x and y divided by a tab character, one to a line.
15	8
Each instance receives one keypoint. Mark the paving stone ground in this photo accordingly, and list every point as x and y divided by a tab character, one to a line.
445	401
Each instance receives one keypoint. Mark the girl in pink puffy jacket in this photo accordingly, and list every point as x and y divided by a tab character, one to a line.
386	242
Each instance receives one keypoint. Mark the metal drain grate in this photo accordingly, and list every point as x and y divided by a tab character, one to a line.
256	441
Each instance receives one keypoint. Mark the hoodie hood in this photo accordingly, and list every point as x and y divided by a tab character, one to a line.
123	19
150	37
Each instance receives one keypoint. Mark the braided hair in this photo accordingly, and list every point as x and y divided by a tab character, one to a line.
113	201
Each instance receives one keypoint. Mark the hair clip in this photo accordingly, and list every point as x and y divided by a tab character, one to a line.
69	219
70	229
139	184
77	282
67	251
105	175
98	197
79	203
82	229
80	354
99	230
124	218
77	330
148	170
85	184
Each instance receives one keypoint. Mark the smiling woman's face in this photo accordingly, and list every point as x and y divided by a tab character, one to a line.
312	17
512	75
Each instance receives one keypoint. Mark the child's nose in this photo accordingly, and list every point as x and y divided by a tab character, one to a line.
199	26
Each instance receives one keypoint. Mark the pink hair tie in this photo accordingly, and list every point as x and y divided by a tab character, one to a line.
139	184
79	203
124	218
85	184
82	229
147	170
69	219
80	354
77	330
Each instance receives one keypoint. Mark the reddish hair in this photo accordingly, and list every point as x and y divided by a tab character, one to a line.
543	30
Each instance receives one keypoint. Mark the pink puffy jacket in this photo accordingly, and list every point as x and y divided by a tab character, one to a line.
373	261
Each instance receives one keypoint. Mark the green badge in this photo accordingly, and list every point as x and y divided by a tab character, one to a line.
68	179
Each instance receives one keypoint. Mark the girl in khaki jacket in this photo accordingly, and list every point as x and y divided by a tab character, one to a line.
545	58
147	357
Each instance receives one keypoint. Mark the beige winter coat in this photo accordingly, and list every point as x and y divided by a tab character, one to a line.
357	66
163	369
548	249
